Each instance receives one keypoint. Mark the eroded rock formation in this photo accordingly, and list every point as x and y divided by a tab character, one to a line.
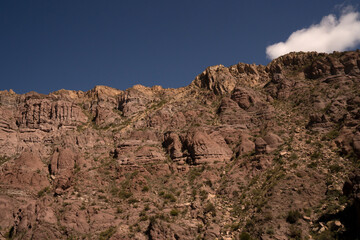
245	150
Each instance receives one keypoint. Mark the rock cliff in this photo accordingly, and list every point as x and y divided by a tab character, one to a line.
246	151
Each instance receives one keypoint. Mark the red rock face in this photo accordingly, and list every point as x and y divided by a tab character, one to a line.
202	148
241	150
27	172
45	114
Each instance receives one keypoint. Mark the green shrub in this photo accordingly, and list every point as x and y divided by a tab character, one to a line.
293	156
312	165
174	212
3	159
125	194
331	135
10	233
270	231
234	226
245	236
105	235
194	173
210	208
203	195
293	216
43	191
209	183
295	233
170	196
132	200
147	207
316	155
335	168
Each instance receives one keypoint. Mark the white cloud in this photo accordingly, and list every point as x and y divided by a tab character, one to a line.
331	34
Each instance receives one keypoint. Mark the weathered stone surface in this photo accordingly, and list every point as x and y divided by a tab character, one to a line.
25	172
136	99
319	122
46	114
246	145
272	142
62	165
216	78
260	146
203	148
244	97
231	113
173	145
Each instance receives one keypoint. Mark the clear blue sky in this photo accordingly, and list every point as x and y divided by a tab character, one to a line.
47	45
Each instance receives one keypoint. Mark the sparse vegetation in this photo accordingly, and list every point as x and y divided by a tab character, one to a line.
245	236
210	208
174	212
295	233
293	216
105	235
42	192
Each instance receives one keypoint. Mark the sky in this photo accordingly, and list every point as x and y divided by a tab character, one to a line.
47	45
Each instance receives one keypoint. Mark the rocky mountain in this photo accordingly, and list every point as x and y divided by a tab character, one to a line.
243	152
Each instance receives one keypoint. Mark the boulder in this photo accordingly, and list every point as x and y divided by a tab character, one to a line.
273	141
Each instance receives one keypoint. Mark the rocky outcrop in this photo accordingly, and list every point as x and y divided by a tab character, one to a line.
246	146
260	146
230	113
273	141
202	148
48	115
338	63
318	122
137	98
173	145
26	172
222	80
104	102
63	163
245	98
134	152
196	147
217	79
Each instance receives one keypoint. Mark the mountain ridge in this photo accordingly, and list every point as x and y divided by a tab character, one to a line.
246	150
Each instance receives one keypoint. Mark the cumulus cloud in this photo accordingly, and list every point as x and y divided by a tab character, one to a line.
331	34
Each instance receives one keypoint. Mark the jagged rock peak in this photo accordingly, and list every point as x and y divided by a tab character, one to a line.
68	94
222	80
296	58
103	90
11	92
